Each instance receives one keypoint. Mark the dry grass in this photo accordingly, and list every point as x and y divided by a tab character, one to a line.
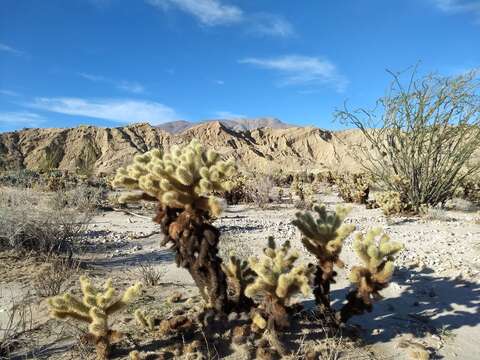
53	275
41	222
149	274
18	321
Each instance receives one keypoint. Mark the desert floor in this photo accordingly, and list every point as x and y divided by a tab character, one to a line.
432	303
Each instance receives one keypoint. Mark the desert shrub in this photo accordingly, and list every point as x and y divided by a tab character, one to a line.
259	190
52	275
469	189
149	274
33	221
353	188
423	136
23	178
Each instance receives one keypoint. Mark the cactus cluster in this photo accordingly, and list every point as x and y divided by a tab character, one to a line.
95	307
183	177
323	236
353	187
278	280
390	202
376	252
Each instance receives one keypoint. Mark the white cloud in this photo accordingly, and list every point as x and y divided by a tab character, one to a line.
228	115
129	86
458	6
8	92
10	50
208	12
219	82
298	70
270	24
215	12
22	118
125	110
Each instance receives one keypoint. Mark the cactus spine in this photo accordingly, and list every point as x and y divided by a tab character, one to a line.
94	308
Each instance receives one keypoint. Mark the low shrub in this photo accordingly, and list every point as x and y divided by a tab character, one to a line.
390	202
32	221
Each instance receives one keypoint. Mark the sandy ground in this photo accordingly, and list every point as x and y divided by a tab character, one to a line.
433	301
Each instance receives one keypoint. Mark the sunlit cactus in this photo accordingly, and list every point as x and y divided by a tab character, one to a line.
94	308
278	280
323	236
376	252
183	181
184	177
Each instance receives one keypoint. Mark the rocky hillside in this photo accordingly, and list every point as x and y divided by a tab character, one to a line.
104	149
176	127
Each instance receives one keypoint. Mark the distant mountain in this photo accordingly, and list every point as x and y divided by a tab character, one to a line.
241	124
264	148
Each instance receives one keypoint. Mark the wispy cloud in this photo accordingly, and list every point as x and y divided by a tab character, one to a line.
121	110
208	12
8	93
228	115
129	86
219	82
11	50
459	6
301	70
216	12
270	24
22	118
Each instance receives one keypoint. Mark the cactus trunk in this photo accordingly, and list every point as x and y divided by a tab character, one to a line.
195	243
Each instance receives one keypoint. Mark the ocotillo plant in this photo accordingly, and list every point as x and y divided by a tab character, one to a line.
324	237
94	308
376	251
278	279
182	181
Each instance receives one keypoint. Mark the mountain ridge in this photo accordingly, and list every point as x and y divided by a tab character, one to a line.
263	149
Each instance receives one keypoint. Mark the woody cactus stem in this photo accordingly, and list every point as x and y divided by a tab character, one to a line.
323	236
376	251
182	181
196	245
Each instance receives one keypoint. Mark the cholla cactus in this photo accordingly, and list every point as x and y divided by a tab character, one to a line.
94	308
376	252
323	237
182	178
353	187
277	281
183	181
390	202
144	320
239	276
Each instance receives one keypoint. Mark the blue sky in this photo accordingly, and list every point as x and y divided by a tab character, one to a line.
113	62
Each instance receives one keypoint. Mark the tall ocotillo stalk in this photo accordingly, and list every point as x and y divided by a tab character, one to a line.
182	181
